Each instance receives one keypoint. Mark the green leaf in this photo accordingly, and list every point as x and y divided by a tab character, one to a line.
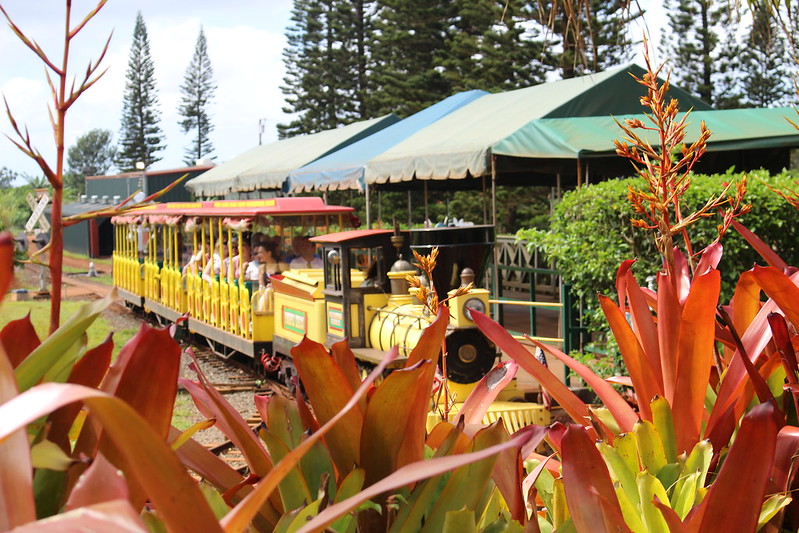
294	492
459	522
48	354
650	487
47	454
771	507
650	447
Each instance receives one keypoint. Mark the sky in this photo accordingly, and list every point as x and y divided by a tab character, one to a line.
245	42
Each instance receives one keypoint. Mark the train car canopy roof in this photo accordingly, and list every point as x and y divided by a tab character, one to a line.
267	166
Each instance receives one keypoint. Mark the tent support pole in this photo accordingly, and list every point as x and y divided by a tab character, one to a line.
579	173
485	204
426	214
493	191
379	205
368	214
324	197
410	209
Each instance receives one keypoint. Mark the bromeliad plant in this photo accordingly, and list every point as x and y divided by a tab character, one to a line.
695	455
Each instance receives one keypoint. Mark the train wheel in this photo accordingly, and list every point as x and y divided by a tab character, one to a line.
469	356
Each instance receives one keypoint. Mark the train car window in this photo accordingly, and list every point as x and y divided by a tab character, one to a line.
367	267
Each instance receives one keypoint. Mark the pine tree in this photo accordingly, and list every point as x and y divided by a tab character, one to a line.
691	46
766	78
488	48
410	47
588	35
140	135
326	64
198	90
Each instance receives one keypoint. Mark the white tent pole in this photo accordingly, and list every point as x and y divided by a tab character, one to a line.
368	214
493	191
426	215
410	210
485	204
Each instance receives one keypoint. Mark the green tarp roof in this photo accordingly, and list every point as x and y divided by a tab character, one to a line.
460	143
267	166
584	137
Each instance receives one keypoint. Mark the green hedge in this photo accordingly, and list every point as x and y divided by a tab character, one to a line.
591	234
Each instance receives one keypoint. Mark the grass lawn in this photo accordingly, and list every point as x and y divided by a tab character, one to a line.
40	317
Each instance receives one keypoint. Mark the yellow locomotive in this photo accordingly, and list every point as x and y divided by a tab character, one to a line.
180	259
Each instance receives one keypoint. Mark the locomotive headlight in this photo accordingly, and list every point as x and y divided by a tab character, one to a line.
333	257
473	303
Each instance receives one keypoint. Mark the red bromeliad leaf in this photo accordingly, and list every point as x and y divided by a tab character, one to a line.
505	342
407	475
387	421
101	482
17	506
695	358
754	340
328	391
218	473
477	403
146	457
783	473
6	262
622	413
622	280
672	518
230	422
508	474
239	518
760	247
589	490
669	311
748	464
780	288
644	324
88	371
107	517
710	259
19	339
620	380
429	345
645	382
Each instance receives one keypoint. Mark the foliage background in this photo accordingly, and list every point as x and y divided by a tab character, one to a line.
590	233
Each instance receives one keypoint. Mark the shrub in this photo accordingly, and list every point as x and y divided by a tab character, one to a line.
591	235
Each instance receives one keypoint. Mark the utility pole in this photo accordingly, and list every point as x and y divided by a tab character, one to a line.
261	129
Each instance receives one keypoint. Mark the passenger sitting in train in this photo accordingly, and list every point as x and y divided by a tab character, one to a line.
213	266
194	263
306	254
245	258
267	257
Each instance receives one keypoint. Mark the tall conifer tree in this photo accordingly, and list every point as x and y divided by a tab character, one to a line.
766	78
140	135
488	48
410	46
326	65
198	90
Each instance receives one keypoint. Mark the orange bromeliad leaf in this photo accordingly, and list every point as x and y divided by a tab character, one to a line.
589	490
328	391
745	303
646	385
780	288
19	339
695	358
575	407
644	324
618	406
429	345
345	359
479	400
669	311
387	421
